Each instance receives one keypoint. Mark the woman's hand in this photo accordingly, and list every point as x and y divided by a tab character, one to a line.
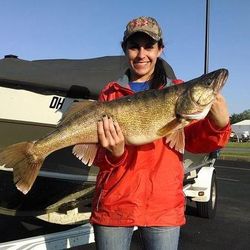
219	112
110	136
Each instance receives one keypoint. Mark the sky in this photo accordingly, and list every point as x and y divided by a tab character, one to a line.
79	29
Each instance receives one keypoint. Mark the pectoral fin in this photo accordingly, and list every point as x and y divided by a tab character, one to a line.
85	152
169	128
174	133
176	140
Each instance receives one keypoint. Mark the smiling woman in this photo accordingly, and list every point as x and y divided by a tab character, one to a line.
142	53
143	50
142	185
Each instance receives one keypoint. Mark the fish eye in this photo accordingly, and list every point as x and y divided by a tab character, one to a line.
209	82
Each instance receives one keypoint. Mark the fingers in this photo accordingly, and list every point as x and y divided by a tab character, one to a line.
109	132
110	136
118	130
219	111
101	134
219	99
219	103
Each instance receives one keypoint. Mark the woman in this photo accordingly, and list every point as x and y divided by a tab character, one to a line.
142	185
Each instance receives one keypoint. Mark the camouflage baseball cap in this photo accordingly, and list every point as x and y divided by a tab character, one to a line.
143	24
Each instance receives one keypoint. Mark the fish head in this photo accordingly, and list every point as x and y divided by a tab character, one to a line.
199	94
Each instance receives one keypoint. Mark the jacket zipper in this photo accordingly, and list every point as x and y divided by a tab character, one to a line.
98	201
100	195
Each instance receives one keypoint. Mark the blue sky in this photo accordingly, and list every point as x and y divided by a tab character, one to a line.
77	29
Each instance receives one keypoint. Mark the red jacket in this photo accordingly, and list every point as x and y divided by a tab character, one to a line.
144	187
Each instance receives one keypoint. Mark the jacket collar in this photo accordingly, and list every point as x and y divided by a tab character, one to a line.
123	81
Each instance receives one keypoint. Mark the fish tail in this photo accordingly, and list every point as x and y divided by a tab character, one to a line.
24	162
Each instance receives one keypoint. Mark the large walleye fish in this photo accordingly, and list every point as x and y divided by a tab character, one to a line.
143	118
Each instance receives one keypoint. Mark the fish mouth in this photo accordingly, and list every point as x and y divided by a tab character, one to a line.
220	79
217	79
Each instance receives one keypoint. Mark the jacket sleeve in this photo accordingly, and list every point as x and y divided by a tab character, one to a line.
104	159
204	137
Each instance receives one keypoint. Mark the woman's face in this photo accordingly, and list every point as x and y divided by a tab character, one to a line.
142	52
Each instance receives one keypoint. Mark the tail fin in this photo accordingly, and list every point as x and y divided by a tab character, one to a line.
25	164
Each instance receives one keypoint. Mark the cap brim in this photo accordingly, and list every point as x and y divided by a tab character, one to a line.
152	35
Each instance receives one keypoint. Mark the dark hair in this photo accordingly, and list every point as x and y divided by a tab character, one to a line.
159	76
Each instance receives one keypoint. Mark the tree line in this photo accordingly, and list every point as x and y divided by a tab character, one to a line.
245	115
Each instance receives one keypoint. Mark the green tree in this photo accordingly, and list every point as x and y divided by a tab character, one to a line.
245	115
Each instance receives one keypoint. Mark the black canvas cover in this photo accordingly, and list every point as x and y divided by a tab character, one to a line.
64	75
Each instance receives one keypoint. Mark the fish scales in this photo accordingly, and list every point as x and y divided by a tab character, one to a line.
80	128
141	115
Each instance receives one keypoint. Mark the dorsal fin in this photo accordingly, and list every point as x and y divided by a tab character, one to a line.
76	107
